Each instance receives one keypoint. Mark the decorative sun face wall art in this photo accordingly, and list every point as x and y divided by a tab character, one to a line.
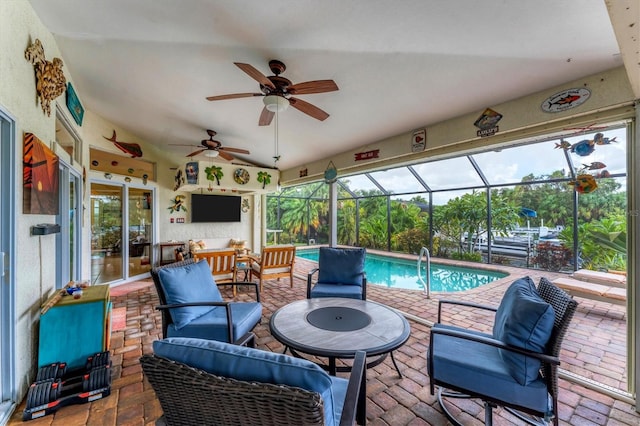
40	177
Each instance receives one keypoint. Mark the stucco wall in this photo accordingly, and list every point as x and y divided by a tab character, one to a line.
36	264
95	127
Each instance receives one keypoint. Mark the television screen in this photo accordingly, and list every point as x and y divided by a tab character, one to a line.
215	208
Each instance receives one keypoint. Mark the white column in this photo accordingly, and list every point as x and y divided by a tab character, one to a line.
333	214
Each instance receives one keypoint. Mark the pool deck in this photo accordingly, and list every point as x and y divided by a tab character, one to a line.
595	347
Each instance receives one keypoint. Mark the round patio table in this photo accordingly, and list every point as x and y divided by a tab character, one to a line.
335	328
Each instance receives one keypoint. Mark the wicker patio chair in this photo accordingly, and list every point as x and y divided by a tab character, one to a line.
516	367
191	396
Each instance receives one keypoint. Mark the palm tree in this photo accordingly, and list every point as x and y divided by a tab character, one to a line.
294	215
347	222
373	232
467	216
214	173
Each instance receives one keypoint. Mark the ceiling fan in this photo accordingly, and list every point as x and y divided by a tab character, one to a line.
214	148
277	92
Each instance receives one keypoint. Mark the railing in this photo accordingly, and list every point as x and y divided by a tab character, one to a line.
426	284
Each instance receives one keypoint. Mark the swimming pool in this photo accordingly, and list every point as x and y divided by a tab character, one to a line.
402	273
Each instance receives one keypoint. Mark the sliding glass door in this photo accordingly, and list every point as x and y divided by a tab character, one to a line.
106	233
8	390
121	232
68	241
140	228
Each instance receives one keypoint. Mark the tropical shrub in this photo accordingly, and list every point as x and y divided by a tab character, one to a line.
444	247
410	240
475	256
551	256
500	260
602	243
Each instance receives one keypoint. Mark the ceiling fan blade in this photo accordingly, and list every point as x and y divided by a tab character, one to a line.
265	117
308	109
233	96
316	86
255	74
226	156
184	144
238	150
194	153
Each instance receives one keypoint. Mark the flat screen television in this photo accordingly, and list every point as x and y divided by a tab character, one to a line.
215	208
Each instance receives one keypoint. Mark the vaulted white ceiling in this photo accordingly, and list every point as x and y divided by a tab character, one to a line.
148	65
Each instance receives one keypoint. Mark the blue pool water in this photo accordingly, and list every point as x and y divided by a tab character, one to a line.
401	273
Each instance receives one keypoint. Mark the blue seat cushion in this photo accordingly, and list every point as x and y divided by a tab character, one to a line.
479	368
213	324
254	365
526	321
341	265
332	290
185	284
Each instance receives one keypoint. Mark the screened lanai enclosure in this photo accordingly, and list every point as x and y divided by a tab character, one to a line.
554	202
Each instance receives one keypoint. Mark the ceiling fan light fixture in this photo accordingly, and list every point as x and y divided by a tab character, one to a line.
211	153
275	103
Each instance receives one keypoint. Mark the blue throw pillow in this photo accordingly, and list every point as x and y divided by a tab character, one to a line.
185	284
523	320
341	265
506	304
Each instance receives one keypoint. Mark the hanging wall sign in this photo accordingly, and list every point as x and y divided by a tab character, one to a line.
419	140
565	100
367	155
330	173
74	105
488	123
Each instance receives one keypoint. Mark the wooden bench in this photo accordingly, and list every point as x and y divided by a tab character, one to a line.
595	291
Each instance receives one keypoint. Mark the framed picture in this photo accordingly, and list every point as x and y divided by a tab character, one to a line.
191	170
40	177
74	105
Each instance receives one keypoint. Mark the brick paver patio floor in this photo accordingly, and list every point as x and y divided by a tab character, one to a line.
595	348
